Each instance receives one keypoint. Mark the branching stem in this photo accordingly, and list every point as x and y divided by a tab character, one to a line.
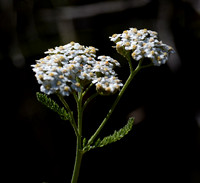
132	74
80	109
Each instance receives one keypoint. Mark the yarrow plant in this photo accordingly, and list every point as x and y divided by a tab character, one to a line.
73	69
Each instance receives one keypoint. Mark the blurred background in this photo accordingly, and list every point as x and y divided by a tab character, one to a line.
164	145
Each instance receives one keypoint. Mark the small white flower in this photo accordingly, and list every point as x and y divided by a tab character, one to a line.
76	86
65	90
114	37
137	54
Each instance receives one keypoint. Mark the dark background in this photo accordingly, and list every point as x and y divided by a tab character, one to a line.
164	145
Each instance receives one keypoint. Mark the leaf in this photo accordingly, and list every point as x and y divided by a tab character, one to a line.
117	135
84	142
51	104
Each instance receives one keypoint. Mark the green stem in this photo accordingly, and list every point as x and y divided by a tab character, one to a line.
77	165
132	74
72	121
87	89
80	113
145	66
79	152
88	100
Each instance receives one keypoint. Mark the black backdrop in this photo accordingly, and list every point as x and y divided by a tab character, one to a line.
163	146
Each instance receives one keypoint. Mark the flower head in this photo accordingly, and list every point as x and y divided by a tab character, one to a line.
106	85
70	67
140	44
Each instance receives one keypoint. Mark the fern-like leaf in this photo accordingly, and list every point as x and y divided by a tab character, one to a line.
117	135
51	104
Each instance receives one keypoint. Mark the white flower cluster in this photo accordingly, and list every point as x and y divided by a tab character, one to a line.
70	67
142	43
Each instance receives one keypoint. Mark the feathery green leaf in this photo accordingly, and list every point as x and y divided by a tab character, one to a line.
117	135
51	104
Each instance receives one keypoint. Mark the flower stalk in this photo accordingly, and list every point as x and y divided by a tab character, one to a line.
78	159
130	78
79	152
